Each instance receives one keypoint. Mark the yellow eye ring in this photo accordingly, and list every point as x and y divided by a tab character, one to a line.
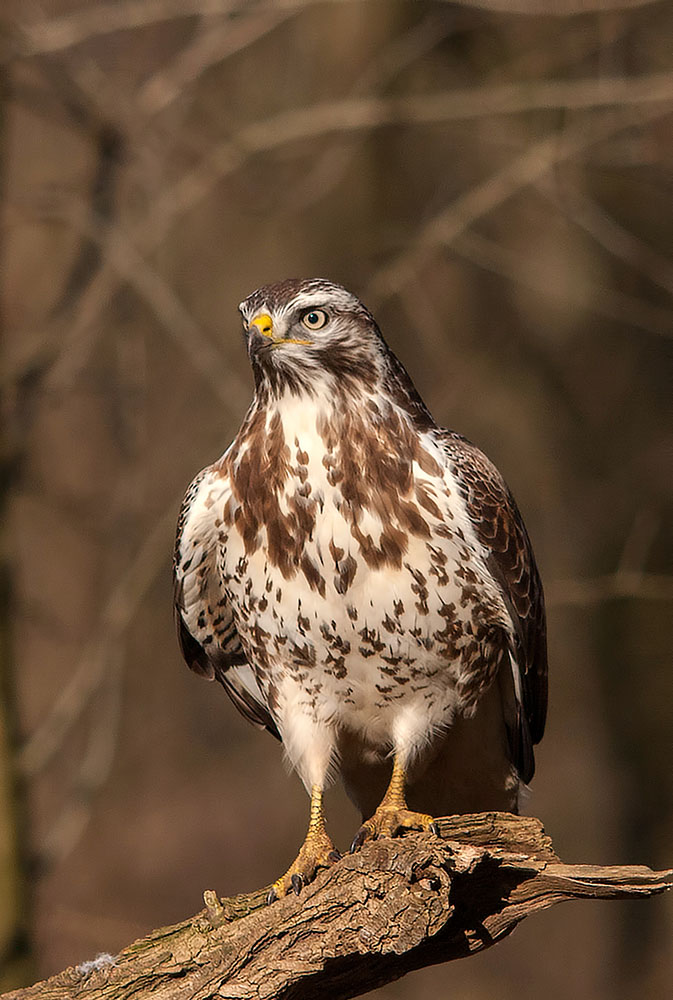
314	319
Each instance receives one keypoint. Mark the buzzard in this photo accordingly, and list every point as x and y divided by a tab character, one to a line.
360	581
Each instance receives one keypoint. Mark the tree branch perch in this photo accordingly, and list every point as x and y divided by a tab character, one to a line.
394	906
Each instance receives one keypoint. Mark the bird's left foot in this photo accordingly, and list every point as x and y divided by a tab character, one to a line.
388	821
317	851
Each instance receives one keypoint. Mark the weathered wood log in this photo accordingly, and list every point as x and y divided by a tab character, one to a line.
394	906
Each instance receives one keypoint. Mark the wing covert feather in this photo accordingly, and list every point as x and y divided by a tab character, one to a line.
500	528
205	620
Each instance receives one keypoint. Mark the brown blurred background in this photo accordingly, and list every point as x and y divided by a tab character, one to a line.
497	184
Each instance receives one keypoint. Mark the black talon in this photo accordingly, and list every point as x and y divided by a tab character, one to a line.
297	884
334	855
358	840
434	828
271	896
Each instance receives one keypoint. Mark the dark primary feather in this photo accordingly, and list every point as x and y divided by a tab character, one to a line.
499	526
220	668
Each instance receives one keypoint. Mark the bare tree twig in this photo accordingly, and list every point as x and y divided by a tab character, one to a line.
215	43
118	612
356	114
94	768
611	586
62	32
332	163
555	8
483	198
424	36
629	580
617	240
83	23
639	541
125	261
528	271
230	156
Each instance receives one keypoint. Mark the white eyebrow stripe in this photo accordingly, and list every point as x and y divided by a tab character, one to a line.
323	298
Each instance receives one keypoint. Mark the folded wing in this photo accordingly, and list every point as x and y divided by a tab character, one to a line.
500	529
205	620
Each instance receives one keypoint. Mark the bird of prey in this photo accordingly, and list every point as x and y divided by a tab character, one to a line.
360	581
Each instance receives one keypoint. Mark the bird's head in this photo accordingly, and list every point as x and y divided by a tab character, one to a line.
311	336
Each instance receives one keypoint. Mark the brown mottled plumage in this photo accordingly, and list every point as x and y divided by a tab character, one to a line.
360	580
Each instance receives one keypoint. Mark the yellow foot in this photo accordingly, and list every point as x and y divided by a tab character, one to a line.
317	851
388	821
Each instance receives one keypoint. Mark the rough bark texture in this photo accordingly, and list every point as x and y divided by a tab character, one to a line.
394	906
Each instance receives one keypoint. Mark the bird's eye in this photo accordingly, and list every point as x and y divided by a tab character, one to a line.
314	319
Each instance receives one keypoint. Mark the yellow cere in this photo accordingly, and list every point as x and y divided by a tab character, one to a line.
264	324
